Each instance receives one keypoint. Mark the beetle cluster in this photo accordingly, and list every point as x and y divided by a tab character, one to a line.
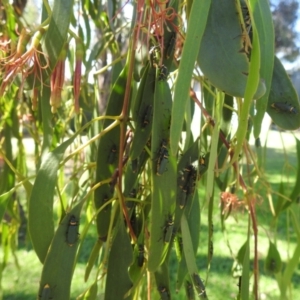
199	285
132	194
168	229
147	116
171	45
141	257
202	164
246	29
162	158
187	184
189	290
135	220
72	231
46	293
284	107
112	155
163	73
211	249
164	293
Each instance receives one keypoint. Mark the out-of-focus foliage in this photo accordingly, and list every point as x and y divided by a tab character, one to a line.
285	16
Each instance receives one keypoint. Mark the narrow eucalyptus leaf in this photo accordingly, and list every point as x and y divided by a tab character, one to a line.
61	256
40	211
120	257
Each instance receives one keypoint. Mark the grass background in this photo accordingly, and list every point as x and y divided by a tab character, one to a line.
21	275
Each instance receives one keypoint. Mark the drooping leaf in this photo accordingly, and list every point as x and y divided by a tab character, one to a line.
119	260
59	262
273	262
222	56
283	104
40	209
264	25
193	38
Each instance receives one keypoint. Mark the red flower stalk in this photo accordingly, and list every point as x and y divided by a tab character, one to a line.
57	81
22	61
77	73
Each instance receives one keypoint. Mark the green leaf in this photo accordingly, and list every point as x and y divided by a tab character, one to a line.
296	191
57	32
162	278
120	258
91	293
59	263
189	254
221	56
273	261
250	94
40	209
244	256
193	218
7	176
92	258
214	146
242	252
282	203
227	114
47	116
4	199
164	172
191	46
293	263
283	91
138	99
143	112
108	154
264	25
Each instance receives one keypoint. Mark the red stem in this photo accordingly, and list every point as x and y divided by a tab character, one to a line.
244	187
125	108
221	135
